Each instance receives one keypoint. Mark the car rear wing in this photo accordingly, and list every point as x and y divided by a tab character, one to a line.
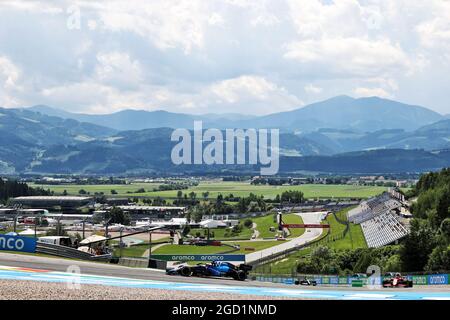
245	267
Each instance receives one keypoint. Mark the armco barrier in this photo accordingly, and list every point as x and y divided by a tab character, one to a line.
67	252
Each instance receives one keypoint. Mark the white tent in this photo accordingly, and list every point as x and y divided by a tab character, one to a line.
87	249
30	232
93	238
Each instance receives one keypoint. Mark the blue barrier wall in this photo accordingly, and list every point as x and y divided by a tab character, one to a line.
16	243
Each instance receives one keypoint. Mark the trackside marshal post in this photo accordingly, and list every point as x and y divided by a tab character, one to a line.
16	243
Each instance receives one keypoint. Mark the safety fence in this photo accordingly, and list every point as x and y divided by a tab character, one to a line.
430	279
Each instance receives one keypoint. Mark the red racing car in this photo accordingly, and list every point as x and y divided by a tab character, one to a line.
396	281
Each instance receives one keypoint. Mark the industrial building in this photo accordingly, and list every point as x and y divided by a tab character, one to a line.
63	203
154	211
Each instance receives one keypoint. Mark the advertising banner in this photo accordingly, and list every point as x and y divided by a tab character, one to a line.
16	243
325	280
199	257
420	280
343	280
436	279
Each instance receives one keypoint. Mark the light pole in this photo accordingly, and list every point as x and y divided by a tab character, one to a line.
15	222
120	243
149	246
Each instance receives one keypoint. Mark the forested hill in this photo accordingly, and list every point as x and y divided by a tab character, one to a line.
427	247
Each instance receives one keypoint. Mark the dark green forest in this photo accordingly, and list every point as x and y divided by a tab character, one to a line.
427	247
13	188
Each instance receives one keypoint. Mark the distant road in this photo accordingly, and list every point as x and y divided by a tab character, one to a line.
309	235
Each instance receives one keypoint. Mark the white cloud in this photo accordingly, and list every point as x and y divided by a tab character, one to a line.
315	18
223	55
246	90
349	56
247	94
32	6
93	97
9	73
215	19
371	92
118	69
166	24
310	88
435	32
9	82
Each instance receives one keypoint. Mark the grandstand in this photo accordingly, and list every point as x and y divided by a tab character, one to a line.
383	229
379	219
373	207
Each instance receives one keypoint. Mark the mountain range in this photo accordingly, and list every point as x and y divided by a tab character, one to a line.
342	112
341	134
139	119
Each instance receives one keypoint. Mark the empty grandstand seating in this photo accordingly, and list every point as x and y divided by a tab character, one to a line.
373	207
383	229
379	222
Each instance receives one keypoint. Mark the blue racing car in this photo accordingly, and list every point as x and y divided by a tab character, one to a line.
213	269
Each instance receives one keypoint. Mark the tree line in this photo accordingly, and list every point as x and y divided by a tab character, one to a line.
13	188
251	203
427	247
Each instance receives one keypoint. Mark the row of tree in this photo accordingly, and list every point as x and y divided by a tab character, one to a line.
252	203
324	260
13	188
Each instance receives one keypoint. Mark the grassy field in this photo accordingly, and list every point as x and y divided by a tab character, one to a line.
121	189
353	239
294	219
263	225
134	251
219	234
218	187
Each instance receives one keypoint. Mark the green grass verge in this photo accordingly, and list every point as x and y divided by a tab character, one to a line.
263	225
222	234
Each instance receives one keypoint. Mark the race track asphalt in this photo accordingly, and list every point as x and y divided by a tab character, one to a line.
114	275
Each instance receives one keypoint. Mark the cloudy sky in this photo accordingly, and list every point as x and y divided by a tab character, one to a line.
222	56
